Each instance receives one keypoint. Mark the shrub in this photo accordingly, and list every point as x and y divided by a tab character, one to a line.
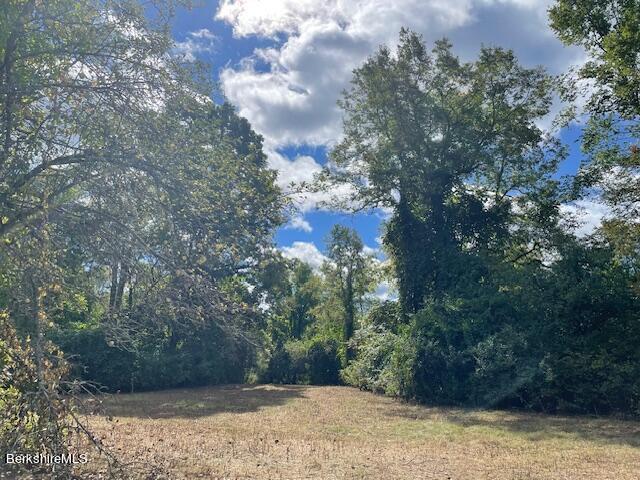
324	362
279	369
35	416
314	361
166	359
370	369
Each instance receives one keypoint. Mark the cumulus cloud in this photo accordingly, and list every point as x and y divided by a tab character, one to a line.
306	252
588	215
289	90
198	41
269	18
385	291
293	101
299	223
294	174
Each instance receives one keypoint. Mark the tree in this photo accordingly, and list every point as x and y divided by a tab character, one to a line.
305	289
450	148
76	77
349	271
118	170
609	31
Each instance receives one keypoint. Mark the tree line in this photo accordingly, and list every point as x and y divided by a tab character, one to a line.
137	219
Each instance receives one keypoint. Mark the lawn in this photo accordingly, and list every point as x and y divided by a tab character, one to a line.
300	432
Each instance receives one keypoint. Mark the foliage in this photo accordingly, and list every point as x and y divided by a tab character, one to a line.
551	339
137	219
34	419
498	305
305	290
452	149
610	32
161	359
371	368
314	361
349	271
134	211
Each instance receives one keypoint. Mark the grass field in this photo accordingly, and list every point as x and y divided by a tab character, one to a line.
299	432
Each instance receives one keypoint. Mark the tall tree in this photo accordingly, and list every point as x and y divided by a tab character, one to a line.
449	148
304	298
349	271
115	165
76	76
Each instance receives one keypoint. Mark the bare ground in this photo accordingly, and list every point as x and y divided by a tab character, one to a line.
300	432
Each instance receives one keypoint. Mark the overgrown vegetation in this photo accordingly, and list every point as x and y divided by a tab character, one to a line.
137	217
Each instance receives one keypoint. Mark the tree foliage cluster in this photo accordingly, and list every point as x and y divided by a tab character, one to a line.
314	320
499	304
135	213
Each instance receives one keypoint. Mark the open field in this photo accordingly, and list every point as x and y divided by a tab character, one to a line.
299	432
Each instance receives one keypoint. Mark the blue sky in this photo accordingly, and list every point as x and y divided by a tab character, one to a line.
283	63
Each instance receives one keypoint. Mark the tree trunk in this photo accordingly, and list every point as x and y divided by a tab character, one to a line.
349	310
36	314
122	281
114	285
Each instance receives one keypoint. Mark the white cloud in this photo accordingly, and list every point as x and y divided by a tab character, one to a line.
385	291
270	18
199	41
295	100
367	250
588	214
301	169
203	33
306	252
289	91
292	174
299	223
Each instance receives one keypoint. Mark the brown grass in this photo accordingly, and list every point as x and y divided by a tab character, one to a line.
298	432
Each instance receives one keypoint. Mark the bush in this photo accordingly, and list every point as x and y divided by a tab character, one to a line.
94	360
165	360
323	362
371	367
504	370
35	415
565	341
315	361
279	369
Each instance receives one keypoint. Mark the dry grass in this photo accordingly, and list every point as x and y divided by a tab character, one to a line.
297	432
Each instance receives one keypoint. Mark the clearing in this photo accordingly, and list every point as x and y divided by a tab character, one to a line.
303	432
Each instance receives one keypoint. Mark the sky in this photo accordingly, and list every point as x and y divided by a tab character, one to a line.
284	63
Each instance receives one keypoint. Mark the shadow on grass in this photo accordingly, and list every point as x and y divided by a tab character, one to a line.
201	402
530	425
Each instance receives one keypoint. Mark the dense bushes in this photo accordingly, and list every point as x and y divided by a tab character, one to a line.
162	360
313	361
559	339
498	371
372	367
